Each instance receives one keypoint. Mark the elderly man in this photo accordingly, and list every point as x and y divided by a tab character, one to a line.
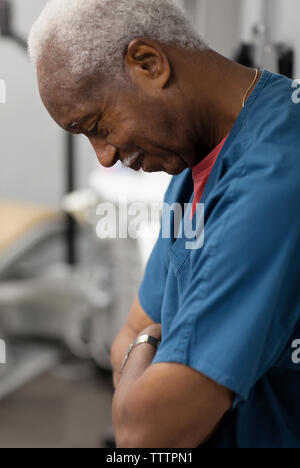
214	329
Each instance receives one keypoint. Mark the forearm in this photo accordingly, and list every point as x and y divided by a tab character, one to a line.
118	351
125	418
140	359
166	405
137	321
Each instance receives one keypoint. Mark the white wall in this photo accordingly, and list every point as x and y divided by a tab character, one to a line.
218	21
223	25
251	14
31	145
286	26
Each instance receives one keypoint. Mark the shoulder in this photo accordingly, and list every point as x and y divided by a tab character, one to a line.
274	116
271	160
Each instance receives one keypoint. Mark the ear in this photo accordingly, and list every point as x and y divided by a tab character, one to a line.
147	65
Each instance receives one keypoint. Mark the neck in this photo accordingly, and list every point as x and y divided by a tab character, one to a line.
214	96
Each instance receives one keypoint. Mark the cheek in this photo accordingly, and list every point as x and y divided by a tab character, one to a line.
123	137
149	130
147	127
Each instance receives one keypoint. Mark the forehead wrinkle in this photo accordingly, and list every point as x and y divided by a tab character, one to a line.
67	109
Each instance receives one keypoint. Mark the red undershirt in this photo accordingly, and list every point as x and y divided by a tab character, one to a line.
202	171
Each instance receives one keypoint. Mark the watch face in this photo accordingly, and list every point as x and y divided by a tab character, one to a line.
143	339
140	340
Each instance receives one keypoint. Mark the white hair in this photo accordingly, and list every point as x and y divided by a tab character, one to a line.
96	33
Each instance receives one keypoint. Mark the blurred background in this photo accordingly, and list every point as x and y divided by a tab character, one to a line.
64	292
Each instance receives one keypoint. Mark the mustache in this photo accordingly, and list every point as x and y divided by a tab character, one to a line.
131	159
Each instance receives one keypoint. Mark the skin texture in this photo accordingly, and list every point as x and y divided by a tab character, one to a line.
137	321
171	107
161	405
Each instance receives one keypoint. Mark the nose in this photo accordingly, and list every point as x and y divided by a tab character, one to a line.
107	154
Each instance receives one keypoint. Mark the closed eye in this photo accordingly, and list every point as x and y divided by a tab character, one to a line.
92	129
102	131
95	129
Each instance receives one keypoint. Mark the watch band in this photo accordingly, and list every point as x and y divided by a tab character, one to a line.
140	340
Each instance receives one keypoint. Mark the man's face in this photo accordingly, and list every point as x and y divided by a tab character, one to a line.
121	121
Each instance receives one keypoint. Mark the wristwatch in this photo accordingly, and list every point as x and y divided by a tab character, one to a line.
140	340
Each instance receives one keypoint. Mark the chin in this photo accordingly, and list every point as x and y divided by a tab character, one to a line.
175	172
173	169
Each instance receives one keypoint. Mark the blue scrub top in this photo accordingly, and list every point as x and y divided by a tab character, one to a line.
231	310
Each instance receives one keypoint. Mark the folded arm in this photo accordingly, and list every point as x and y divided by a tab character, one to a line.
137	321
165	405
